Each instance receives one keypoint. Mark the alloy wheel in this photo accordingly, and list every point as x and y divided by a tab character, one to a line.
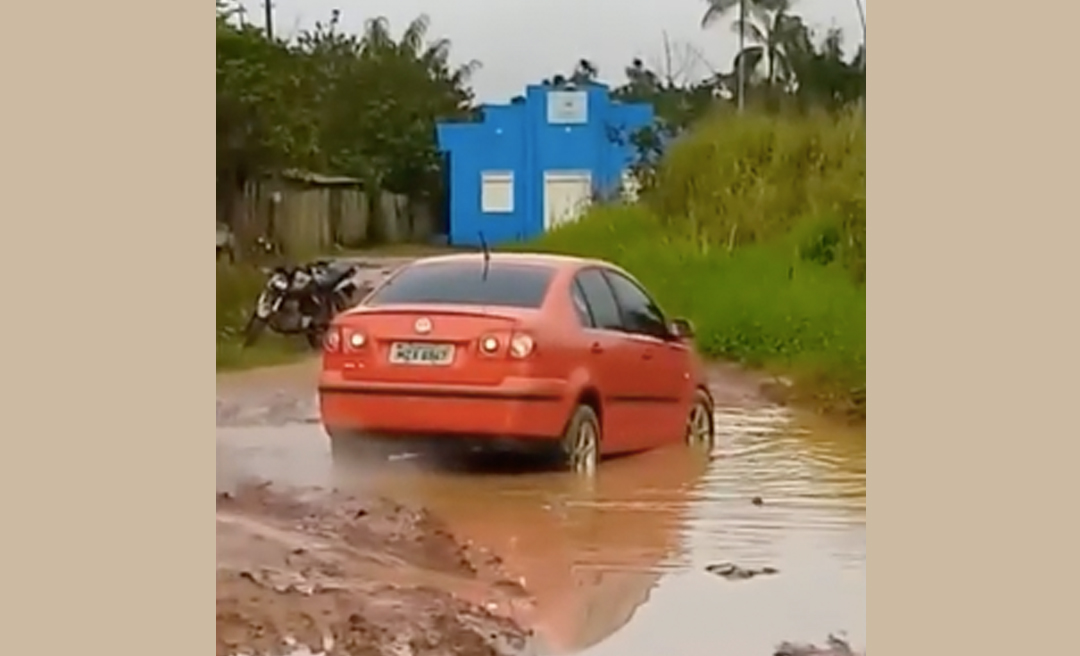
585	450
699	426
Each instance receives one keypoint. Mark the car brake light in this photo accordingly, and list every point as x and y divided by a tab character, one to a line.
332	340
521	345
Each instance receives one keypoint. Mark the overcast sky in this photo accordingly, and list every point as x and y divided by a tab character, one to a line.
523	41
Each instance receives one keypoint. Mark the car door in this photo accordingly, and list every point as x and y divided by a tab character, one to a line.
663	364
612	361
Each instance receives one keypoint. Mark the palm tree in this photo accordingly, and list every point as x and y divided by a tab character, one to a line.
719	9
414	46
769	26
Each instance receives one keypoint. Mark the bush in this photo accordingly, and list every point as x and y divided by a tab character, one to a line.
747	179
237	288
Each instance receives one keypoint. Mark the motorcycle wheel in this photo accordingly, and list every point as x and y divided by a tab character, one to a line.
254	328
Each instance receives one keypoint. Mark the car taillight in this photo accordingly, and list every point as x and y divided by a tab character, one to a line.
332	340
521	345
489	344
356	340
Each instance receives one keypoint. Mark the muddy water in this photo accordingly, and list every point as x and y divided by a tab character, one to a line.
617	566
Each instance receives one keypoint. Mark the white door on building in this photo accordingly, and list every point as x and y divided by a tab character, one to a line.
567	195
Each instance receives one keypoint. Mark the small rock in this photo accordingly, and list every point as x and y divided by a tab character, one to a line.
733	572
835	647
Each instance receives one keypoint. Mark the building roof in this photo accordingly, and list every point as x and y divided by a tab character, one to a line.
310	177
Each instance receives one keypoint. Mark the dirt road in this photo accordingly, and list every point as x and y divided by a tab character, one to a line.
411	556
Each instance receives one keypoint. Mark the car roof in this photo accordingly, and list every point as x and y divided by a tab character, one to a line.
535	259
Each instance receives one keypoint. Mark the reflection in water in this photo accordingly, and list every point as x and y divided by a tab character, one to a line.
616	565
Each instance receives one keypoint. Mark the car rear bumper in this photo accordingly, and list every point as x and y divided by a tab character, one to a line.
516	408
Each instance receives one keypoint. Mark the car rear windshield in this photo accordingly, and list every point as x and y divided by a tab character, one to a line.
466	283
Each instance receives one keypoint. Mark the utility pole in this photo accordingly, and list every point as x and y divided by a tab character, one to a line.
741	55
862	18
269	7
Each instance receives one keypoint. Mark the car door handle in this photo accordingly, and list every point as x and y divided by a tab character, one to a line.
596	348
647	355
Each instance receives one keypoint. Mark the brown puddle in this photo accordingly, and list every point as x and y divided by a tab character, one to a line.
616	566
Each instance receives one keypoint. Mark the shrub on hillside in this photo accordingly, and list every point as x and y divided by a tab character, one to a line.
237	288
737	180
759	304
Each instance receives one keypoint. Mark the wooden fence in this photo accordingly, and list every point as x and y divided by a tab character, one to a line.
306	214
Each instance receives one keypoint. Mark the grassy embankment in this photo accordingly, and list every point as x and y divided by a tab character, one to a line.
755	230
237	287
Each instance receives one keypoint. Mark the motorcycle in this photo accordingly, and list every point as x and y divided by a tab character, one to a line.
302	300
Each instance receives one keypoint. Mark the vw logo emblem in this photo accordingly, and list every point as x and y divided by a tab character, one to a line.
423	325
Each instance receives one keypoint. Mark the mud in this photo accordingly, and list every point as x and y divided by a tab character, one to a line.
340	575
409	556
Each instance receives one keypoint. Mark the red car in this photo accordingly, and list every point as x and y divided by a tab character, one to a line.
514	350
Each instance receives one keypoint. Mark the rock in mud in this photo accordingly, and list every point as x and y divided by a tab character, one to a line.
834	646
733	572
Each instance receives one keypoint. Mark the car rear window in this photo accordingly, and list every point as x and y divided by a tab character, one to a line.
465	283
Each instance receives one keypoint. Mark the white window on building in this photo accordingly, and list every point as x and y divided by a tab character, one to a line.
497	192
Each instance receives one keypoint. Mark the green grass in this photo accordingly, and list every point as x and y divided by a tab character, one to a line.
756	233
237	287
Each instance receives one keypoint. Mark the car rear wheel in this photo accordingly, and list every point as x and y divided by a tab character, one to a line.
700	424
581	441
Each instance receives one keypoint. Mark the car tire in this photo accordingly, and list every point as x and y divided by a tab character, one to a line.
581	441
700	422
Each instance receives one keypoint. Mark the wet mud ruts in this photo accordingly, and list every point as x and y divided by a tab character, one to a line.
341	575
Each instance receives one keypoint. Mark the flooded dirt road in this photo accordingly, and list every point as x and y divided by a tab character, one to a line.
627	564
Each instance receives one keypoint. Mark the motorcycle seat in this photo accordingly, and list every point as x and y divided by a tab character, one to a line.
331	276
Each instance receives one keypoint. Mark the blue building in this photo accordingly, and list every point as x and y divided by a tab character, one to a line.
537	162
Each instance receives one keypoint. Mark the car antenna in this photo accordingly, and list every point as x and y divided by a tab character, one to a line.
487	255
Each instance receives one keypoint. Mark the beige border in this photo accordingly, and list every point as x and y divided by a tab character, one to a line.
973	427
109	466
108	459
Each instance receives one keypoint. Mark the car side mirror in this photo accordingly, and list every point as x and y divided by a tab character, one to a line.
681	329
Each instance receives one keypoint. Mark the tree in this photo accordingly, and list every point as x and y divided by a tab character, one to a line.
769	27
363	105
795	68
261	121
584	72
823	77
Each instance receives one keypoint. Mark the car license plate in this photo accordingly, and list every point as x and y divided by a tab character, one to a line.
421	354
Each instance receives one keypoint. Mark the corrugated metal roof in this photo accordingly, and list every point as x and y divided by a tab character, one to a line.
318	178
